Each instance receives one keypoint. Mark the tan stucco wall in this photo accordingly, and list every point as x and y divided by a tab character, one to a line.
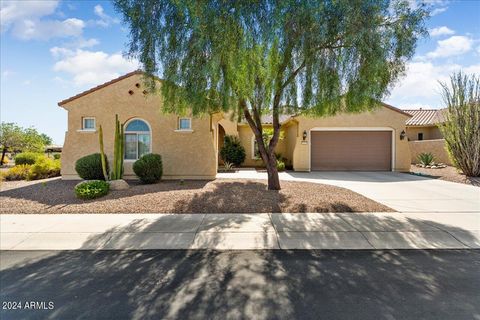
436	147
382	117
429	133
245	134
185	155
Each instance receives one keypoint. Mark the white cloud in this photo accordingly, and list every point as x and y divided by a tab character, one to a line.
26	20
441	31
437	11
12	12
47	29
435	6
105	20
7	73
91	67
453	46
472	69
420	84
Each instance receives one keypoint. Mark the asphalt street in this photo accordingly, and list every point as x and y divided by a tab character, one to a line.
156	284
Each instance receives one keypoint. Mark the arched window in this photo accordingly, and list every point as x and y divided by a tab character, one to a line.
137	139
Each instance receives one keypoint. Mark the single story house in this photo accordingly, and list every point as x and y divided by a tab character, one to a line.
423	125
374	140
424	134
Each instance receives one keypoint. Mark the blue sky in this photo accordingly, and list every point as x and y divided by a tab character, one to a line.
51	50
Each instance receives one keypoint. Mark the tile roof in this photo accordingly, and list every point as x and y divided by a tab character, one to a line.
424	117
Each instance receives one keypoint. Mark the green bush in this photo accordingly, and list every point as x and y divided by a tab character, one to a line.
426	158
57	156
280	165
232	151
90	167
27	158
91	189
149	168
19	172
44	168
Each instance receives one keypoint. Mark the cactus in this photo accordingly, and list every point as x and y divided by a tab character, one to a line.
102	153
117	171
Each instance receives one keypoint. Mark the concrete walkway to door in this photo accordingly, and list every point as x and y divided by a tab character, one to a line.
399	191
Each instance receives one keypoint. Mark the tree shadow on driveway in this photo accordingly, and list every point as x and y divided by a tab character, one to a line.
260	284
246	284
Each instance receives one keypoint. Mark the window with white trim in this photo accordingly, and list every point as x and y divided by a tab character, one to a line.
137	139
185	124
88	123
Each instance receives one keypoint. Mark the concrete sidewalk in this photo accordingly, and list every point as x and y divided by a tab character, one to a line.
240	231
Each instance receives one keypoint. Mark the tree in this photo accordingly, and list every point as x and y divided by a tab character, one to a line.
46	139
16	138
10	137
272	57
461	128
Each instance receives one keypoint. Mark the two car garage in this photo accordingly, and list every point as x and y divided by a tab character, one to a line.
351	150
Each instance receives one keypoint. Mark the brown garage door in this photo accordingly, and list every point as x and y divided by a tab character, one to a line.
351	150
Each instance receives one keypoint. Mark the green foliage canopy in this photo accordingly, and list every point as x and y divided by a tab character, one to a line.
16	138
316	57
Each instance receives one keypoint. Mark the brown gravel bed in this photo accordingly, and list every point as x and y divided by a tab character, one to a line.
447	174
219	196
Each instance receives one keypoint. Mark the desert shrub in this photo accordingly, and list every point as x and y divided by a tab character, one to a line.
280	165
91	189
228	166
57	156
426	158
232	151
149	168
27	158
44	168
19	172
461	128
90	167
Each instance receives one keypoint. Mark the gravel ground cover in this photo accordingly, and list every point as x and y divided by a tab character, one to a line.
448	174
218	196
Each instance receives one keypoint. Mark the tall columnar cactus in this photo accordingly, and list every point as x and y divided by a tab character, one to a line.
102	153
117	171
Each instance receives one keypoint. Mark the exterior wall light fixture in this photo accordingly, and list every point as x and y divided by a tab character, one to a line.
304	136
402	135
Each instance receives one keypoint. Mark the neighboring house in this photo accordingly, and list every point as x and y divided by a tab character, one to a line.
189	146
423	125
425	136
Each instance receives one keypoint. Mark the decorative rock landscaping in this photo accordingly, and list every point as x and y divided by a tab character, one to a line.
432	166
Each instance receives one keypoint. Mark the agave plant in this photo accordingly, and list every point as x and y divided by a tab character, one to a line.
228	166
426	158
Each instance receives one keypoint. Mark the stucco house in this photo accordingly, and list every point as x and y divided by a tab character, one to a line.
424	135
423	125
190	146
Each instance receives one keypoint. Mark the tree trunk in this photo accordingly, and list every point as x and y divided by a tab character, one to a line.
273	179
267	155
4	151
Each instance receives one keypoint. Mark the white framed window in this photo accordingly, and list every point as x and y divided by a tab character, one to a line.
138	139
88	124
184	124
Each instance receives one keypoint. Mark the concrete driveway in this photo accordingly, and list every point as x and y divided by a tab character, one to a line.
400	191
